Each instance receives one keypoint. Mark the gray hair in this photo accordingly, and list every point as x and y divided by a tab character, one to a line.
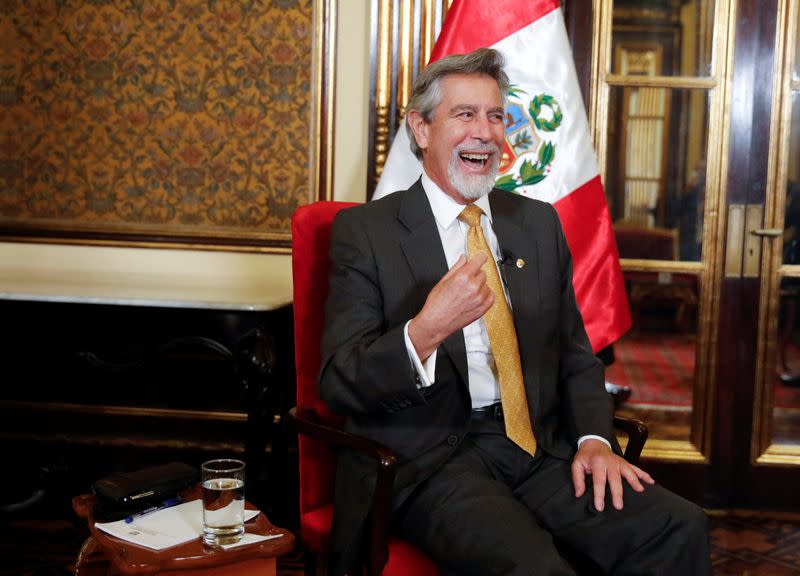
427	92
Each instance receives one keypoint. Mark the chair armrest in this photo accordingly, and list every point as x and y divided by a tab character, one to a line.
637	436
307	422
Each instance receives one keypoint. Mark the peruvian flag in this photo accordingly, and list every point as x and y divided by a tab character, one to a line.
548	151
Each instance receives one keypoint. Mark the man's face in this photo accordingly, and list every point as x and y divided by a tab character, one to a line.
463	142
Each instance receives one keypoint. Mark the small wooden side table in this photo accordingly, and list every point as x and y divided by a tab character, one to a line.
105	555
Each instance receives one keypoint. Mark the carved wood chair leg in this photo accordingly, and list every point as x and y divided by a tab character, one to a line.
91	560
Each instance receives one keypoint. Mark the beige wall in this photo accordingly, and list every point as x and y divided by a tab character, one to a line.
352	102
215	278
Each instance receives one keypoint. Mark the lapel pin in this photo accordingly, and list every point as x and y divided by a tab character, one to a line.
520	262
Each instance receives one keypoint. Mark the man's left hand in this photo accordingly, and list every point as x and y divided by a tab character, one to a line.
596	459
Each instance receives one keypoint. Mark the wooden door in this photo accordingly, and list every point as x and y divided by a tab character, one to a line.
713	359
765	402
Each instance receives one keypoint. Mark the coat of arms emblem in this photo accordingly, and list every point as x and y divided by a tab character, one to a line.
527	154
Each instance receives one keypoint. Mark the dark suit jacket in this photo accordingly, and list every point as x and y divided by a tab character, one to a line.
387	256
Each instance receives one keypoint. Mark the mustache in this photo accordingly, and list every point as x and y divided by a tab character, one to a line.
478	146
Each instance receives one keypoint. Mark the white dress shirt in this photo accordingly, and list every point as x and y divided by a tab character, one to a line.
483	383
480	363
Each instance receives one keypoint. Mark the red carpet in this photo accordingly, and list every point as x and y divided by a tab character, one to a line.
659	368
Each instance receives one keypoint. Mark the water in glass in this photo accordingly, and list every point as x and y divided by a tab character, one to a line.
223	510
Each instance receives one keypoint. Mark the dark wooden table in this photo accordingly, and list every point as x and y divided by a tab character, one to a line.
103	554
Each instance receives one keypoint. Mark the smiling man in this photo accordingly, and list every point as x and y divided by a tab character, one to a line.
460	140
452	336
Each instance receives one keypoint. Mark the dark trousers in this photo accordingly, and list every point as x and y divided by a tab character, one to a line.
493	509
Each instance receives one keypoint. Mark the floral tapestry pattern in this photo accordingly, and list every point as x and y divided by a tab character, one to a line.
157	117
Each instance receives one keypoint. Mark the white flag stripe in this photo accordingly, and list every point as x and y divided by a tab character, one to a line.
401	169
538	58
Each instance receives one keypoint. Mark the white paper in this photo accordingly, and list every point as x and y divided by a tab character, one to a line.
250	538
169	527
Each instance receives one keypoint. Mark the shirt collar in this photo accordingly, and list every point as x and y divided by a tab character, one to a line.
445	209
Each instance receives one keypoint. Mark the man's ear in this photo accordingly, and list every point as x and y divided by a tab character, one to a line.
419	127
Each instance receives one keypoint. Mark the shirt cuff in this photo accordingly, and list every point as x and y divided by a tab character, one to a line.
426	371
593	437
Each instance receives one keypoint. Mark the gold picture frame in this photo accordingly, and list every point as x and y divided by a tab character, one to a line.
403	33
171	125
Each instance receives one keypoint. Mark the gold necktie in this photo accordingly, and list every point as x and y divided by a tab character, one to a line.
503	340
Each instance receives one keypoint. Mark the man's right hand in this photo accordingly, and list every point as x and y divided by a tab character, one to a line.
458	299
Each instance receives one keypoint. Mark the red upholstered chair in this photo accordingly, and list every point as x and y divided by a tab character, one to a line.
320	434
320	430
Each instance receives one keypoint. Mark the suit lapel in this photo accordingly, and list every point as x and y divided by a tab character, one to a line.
516	243
423	250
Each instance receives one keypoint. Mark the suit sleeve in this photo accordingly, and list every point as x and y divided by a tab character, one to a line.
588	407
365	364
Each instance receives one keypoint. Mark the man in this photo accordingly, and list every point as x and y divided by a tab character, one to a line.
487	389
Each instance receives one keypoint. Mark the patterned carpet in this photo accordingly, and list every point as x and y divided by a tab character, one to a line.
659	368
742	545
754	545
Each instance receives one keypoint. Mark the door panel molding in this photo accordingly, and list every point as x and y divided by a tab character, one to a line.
763	452
709	269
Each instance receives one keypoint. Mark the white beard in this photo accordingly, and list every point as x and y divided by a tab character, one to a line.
473	186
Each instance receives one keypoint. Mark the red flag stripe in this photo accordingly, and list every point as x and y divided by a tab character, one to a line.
597	274
485	23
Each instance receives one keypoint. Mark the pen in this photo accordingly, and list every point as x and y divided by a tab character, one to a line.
165	504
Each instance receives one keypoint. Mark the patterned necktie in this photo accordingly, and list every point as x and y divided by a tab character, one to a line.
503	340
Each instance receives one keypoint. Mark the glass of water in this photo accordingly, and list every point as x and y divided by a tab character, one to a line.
223	501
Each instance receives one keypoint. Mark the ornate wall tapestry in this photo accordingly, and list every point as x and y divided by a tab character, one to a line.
162	123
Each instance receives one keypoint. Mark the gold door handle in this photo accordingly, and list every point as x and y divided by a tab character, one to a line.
743	251
767	232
